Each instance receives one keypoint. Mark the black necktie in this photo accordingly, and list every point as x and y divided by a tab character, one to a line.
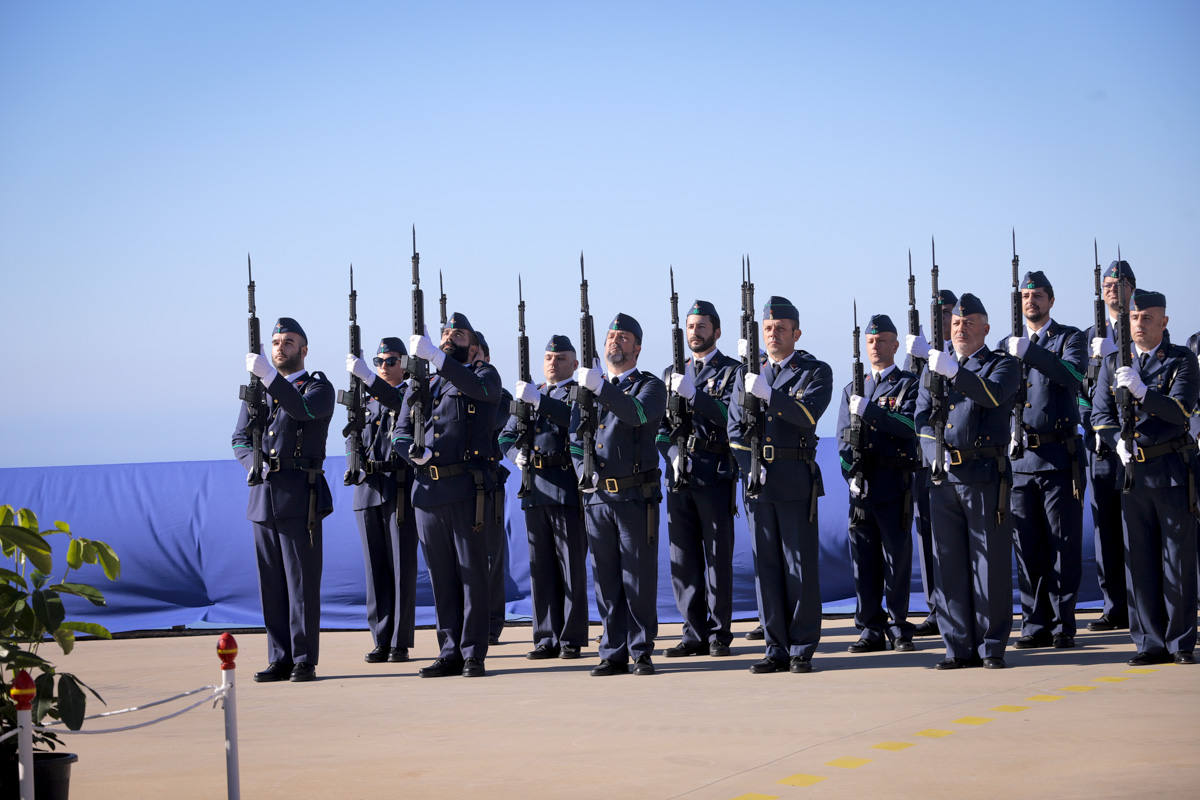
1033	339
616	381
1142	359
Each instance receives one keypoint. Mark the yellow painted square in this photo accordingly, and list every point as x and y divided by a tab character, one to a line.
973	720
1010	709
848	762
1044	698
1077	688
934	733
1140	671
893	746
1110	679
800	779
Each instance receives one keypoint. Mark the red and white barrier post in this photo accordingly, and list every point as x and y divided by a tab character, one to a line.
227	652
22	692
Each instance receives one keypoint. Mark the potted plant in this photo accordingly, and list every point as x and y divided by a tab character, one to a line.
31	614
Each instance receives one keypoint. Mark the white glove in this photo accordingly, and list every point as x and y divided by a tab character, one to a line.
856	486
421	346
527	393
683	385
266	469
595	484
521	459
756	384
423	457
1018	345
589	378
680	464
857	401
762	475
743	348
1129	378
359	369
1102	346
916	345
260	366
1016	445
943	364
1124	453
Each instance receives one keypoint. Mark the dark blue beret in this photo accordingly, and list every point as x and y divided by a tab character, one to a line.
707	309
969	304
947	298
1119	270
289	325
483	345
391	344
624	322
1144	298
881	323
780	308
1035	279
560	344
458	321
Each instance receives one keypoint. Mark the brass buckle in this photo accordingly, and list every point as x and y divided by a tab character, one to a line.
768	453
955	457
1033	440
1140	455
433	472
611	486
537	461
273	463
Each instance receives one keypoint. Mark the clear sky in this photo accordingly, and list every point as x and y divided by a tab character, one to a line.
145	147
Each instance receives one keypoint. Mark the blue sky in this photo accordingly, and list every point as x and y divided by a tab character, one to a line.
146	147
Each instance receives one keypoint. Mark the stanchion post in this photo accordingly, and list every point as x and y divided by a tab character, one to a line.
22	692
227	652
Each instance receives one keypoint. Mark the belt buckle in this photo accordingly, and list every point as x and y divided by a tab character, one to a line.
273	463
1140	455
955	457
611	486
433	472
768	453
537	461
691	443
1033	440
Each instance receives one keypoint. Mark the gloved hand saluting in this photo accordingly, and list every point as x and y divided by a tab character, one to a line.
260	366
590	378
683	385
1129	378
527	393
944	364
422	346
359	369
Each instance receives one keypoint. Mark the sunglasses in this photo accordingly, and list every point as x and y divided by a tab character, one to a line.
391	361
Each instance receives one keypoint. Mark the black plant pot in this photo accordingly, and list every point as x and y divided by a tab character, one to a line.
51	776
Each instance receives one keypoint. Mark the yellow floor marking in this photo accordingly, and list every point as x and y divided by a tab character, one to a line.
753	796
848	762
893	745
934	733
1044	698
800	779
1140	671
1077	688
1010	708
973	720
1110	679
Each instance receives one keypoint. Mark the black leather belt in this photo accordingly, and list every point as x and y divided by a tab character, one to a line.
1179	444
1035	439
541	461
279	464
958	457
646	478
716	445
438	472
771	453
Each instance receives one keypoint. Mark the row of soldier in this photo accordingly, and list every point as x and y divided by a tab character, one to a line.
978	491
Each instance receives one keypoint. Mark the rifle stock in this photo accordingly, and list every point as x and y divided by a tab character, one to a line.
253	394
937	384
752	405
1124	397
1017	434
354	401
679	417
1099	320
584	398
523	411
417	368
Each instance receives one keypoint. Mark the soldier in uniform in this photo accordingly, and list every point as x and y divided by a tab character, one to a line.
1160	471
288	506
700	508
972	538
497	534
553	522
1104	469
383	509
450	493
1047	465
795	389
881	492
621	499
928	626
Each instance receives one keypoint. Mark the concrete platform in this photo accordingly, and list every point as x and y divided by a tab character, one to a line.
1057	723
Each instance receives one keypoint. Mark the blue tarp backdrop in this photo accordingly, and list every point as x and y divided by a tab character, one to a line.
187	554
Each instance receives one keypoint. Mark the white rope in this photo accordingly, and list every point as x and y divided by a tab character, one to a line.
144	706
13	732
218	694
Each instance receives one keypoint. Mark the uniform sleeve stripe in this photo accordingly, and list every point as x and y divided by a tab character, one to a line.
1186	415
724	409
846	465
927	436
640	411
663	439
1071	369
246	446
991	397
903	419
804	408
576	450
1083	402
1105	427
737	446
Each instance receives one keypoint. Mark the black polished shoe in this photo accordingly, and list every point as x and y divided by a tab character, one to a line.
755	633
994	662
952	663
685	649
1185	657
303	672
927	628
440	668
606	667
377	655
799	665
865	645
1063	641
718	650
905	645
768	665
1106	624
275	671
473	668
1040	639
569	651
643	666
398	655
542	651
1149	659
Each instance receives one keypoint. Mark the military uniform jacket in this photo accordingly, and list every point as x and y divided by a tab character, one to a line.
628	416
1172	381
800	394
298	414
460	430
1054	370
979	404
379	487
891	452
555	483
708	448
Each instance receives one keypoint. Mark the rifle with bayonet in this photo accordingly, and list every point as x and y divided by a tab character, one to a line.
855	434
1099	319
752	405
524	412
938	402
679	416
914	316
584	398
354	401
253	394
1017	435
419	400
441	303
1125	407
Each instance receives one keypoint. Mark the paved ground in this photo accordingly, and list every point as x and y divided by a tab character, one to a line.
1059	724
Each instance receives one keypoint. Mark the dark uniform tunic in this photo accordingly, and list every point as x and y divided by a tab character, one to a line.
1158	511
881	520
553	524
621	516
1048	486
783	517
700	514
287	509
972	534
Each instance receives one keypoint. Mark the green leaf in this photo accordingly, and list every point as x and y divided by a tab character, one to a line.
35	548
7	513
84	685
75	554
62	526
43	701
28	520
49	609
72	703
89	551
23	659
108	560
65	639
87	628
38	579
11	577
90	593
